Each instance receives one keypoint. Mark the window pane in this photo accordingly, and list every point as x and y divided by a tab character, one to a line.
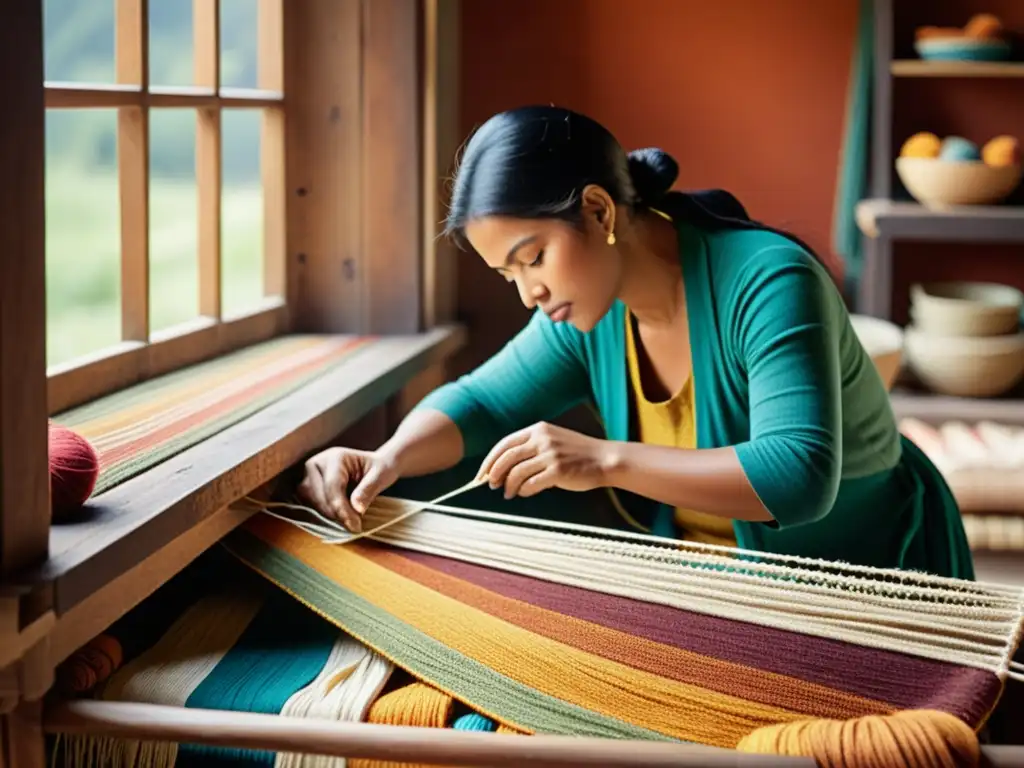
83	236
242	212
170	43
238	43
78	40
173	218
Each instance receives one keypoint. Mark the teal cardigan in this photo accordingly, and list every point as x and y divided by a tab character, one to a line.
780	375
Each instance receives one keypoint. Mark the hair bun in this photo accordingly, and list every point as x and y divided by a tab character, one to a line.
653	172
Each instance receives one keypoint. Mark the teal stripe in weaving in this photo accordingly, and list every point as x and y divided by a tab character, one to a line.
466	679
281	651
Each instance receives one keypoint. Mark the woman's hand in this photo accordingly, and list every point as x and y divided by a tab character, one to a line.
331	473
545	456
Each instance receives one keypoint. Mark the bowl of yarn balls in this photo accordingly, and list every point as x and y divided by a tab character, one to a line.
983	38
954	171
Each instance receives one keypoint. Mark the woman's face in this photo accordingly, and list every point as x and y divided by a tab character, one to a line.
571	273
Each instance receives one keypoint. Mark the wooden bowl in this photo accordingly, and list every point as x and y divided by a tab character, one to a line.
940	183
962	308
883	341
965	366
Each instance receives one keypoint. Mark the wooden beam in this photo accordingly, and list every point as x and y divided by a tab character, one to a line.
206	39
132	68
392	165
441	140
323	144
24	477
272	148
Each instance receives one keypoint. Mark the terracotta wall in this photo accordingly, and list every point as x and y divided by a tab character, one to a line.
748	95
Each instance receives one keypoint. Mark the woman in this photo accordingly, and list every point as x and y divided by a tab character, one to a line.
733	390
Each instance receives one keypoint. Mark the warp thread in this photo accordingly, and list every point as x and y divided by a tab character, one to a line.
922	738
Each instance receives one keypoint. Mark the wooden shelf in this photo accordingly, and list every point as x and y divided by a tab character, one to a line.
922	68
893	219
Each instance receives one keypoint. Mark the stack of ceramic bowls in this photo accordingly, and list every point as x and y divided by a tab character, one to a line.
965	338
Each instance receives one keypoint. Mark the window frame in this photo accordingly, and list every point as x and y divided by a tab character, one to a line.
361	77
142	354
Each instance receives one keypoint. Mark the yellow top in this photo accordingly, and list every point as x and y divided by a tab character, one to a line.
673	423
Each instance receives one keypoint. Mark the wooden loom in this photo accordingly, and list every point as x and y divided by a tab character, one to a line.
259	540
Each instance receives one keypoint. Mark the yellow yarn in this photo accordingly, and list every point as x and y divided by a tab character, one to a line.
921	738
415	704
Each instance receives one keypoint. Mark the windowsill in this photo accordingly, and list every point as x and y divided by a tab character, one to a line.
141	516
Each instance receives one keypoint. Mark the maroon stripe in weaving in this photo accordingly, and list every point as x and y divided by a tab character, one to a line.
905	681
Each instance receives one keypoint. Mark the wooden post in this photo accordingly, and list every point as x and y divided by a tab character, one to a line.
441	139
24	476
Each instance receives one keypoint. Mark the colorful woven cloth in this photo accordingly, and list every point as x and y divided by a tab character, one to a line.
277	621
134	429
219	637
545	657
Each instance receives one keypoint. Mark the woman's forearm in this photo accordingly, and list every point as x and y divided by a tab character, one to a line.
708	480
426	441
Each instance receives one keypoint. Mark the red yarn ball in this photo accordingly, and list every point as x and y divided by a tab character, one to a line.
74	469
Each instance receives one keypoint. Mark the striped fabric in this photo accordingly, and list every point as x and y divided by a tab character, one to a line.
544	657
219	637
137	428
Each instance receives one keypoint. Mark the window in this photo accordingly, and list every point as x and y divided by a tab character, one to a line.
165	233
218	172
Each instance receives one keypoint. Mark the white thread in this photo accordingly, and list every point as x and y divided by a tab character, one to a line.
937	617
348	684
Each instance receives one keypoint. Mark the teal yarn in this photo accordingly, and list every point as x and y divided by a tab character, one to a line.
473	722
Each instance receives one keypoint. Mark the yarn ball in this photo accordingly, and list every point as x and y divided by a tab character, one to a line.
90	665
959	149
983	26
1001	151
923	144
910	737
74	469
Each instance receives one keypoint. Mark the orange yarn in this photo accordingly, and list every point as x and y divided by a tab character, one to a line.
921	738
90	665
415	704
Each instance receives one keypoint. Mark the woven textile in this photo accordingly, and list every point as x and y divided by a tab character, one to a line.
134	429
546	657
219	637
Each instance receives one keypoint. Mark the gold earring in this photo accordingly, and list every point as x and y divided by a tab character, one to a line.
611	238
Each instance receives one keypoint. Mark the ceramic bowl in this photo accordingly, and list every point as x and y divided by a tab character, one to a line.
940	183
962	308
883	341
979	366
963	49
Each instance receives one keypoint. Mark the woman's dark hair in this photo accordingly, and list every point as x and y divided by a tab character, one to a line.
534	162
